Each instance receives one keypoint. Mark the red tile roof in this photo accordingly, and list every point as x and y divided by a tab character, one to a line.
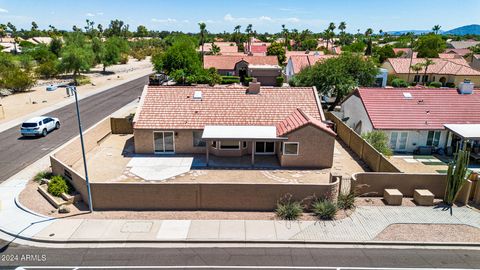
300	62
173	107
229	61
258	49
428	109
225	47
461	52
299	119
456	66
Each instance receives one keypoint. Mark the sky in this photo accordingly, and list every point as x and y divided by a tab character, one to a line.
264	15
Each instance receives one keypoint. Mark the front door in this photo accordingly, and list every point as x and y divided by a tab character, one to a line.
265	148
164	142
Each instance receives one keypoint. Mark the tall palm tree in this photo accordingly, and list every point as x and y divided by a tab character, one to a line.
342	26
203	30
236	30
411	36
248	30
428	62
436	29
368	35
285	36
417	67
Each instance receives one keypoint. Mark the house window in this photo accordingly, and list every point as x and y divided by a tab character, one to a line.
290	148
416	78
433	138
197	139
214	144
229	145
398	140
425	78
244	144
264	147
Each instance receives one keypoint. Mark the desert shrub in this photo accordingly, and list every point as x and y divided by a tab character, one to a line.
280	80
230	79
82	80
124	58
450	84
435	84
346	200
42	175
48	69
379	140
288	209
324	209
58	185
399	83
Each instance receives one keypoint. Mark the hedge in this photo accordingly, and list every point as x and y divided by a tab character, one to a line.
280	80
230	79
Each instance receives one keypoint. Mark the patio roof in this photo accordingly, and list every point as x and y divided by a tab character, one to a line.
466	131
241	133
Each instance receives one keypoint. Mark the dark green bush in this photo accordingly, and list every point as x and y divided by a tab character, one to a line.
58	185
324	209
288	209
42	175
230	79
435	84
280	80
247	80
399	83
450	84
346	200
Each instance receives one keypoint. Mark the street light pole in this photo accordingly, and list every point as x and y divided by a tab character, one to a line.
74	90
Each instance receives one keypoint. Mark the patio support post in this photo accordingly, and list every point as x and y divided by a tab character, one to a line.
208	146
253	153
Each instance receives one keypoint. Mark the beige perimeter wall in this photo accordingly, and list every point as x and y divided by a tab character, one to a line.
374	159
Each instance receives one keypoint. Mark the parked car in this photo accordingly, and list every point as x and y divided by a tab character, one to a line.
39	126
52	87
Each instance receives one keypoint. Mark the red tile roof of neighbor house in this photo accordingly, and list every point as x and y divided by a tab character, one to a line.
173	107
461	52
299	119
300	62
229	61
456	66
428	109
258	48
225	47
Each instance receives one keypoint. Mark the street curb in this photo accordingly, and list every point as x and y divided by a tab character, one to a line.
21	206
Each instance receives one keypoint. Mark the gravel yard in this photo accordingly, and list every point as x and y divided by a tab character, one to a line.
430	233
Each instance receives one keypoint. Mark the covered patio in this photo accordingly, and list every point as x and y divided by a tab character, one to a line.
466	133
231	143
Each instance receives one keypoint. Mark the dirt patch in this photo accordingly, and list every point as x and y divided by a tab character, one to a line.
430	233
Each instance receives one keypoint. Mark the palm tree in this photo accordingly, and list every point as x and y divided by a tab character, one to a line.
436	29
285	36
215	50
428	62
342	26
417	67
248	30
368	34
203	30
237	33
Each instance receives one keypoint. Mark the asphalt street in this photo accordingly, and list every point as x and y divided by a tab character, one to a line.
17	153
241	257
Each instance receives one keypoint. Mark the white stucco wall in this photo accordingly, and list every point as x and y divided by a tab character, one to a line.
289	70
354	109
418	138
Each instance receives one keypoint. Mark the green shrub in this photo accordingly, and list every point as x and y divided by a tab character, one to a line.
42	175
379	140
280	80
288	209
230	79
58	185
435	84
124	58
450	84
399	83
324	209
346	200
83	80
48	69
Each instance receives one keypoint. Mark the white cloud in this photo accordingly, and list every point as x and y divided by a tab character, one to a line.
2	10
262	19
100	13
168	20
90	15
293	20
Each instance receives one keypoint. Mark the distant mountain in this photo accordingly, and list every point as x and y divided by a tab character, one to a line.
473	29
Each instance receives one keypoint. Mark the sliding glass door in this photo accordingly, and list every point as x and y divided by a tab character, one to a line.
164	142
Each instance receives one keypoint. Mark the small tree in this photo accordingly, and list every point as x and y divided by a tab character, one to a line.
426	64
215	50
75	60
278	50
457	174
379	140
430	46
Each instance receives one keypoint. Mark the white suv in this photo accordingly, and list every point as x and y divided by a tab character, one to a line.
39	126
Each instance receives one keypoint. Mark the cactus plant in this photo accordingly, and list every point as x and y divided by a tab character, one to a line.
457	174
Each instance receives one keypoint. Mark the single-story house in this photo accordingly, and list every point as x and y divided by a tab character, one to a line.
411	117
465	44
405	52
296	63
285	123
461	52
256	47
264	68
475	61
225	47
455	70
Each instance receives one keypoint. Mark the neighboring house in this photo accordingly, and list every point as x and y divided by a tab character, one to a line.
461	52
286	123
411	117
7	47
256	47
405	52
296	63
449	55
445	71
475	61
462	44
264	68
225	47
40	40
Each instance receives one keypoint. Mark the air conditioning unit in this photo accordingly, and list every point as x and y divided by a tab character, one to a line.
465	88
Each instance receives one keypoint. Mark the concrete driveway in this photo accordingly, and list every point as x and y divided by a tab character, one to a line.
159	168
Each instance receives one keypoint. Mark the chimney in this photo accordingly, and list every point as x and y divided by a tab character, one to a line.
253	87
465	88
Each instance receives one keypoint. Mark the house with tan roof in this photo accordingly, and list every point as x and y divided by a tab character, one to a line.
455	70
254	122
264	68
296	63
412	118
225	47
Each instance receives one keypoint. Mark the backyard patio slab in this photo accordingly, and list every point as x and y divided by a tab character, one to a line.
159	168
